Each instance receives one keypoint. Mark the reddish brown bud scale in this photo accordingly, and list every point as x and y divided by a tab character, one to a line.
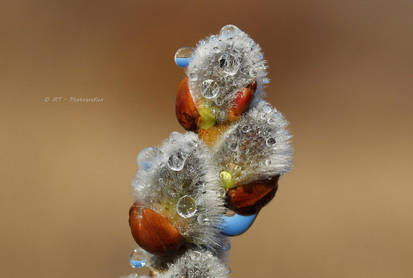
249	198
154	232
242	101
186	111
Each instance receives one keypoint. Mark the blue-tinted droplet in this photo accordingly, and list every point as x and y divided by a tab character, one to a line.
183	56
137	259
236	224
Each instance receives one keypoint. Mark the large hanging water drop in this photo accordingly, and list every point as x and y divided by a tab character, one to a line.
186	206
209	88
183	56
176	161
137	258
236	225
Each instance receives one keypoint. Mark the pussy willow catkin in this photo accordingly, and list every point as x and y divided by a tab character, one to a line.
198	188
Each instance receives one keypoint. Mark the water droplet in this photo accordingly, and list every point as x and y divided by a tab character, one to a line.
233	146
182	226
270	142
183	56
228	29
246	128
202	219
196	255
176	161
219	101
267	162
137	258
229	63
186	206
267	108
209	88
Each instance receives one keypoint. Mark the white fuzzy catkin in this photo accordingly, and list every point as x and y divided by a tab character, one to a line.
222	65
196	264
182	166
256	147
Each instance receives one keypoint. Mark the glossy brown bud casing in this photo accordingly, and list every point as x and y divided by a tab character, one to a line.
154	232
249	198
242	101
186	111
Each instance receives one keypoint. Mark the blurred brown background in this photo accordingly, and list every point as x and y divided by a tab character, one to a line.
341	71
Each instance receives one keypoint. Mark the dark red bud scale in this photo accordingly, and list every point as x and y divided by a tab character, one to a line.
249	198
154	232
186	111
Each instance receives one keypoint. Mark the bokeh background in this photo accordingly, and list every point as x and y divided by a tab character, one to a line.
341	72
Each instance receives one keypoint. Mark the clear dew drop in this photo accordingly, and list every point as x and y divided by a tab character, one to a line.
267	108
270	142
196	255
186	206
229	63
219	101
268	162
209	88
182	226
228	29
233	146
246	128
176	161
183	56
137	258
202	219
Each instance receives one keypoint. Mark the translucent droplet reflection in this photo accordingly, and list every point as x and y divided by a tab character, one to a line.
176	161
227	29
270	142
183	56
186	206
209	88
137	258
196	255
229	63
